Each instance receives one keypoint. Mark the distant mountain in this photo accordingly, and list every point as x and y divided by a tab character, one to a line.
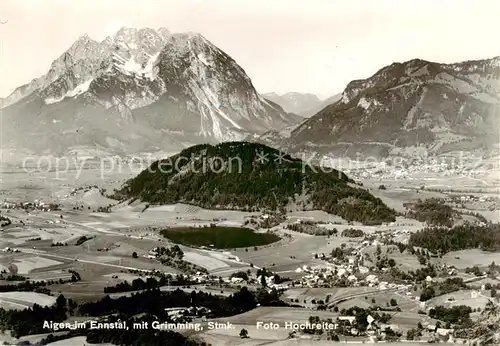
312	111
138	90
406	109
293	102
251	176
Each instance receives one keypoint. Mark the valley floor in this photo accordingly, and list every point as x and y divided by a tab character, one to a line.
105	258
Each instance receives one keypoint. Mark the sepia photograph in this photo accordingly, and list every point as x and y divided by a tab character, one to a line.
249	173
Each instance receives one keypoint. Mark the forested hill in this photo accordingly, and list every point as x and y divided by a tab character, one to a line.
251	176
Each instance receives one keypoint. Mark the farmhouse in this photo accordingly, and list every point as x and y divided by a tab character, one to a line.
350	319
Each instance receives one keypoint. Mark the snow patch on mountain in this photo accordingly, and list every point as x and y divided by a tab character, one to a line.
132	51
131	67
80	89
203	59
150	70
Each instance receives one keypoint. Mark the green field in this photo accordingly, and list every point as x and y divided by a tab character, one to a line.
218	237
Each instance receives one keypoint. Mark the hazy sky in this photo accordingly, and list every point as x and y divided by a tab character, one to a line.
315	46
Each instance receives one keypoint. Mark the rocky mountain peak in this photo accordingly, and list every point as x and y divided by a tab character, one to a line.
188	43
129	49
164	32
134	38
82	40
141	88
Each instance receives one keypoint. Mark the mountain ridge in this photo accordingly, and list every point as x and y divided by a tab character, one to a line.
403	107
303	104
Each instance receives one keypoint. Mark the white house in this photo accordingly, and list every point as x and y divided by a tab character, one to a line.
351	319
351	278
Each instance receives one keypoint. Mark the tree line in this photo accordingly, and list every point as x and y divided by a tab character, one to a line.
466	236
433	211
150	283
150	304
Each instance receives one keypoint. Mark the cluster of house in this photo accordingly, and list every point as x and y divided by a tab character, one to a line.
398	232
270	282
322	276
178	314
8	249
470	199
8	205
447	268
429	332
348	325
82	188
405	168
349	268
151	254
442	334
35	205
53	221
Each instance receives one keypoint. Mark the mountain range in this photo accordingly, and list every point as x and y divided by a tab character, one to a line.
406	108
138	90
303	104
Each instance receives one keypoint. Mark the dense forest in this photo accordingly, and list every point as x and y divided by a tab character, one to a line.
154	302
433	211
466	236
30	321
254	177
4	221
150	283
35	286
135	337
456	314
352	233
445	287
